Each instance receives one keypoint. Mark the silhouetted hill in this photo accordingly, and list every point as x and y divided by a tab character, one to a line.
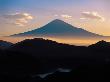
42	47
58	28
101	45
26	60
4	44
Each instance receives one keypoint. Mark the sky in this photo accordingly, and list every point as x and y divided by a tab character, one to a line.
18	16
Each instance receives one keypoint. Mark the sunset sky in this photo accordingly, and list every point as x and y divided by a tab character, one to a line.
23	15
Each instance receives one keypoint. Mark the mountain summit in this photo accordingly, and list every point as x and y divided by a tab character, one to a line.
58	28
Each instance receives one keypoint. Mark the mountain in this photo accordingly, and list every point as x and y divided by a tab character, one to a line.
4	44
43	47
101	45
58	28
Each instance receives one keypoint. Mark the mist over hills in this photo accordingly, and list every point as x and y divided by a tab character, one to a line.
60	29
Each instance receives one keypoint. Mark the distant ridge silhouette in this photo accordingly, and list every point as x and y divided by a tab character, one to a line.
101	45
38	45
5	44
59	28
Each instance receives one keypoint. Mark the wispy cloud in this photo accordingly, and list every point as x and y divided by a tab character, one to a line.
92	15
19	19
66	16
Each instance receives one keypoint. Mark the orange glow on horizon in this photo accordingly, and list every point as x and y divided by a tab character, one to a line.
79	42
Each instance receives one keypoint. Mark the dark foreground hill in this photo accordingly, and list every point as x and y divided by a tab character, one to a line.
44	47
24	61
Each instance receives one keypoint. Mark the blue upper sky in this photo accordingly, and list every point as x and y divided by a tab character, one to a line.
31	5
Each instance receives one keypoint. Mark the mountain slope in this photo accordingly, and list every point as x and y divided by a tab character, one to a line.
59	28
